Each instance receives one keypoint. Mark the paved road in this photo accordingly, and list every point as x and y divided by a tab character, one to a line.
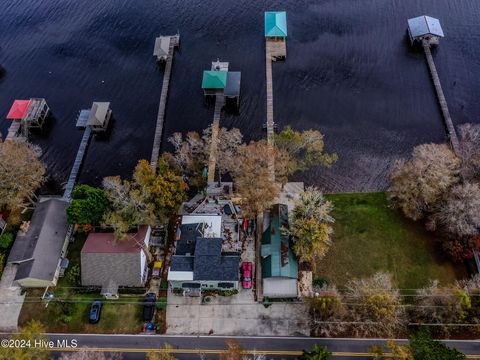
188	347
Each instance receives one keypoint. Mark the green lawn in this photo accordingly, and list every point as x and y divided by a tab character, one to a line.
370	236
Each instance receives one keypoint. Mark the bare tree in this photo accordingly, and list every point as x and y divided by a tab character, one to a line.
422	181
374	307
327	312
459	213
251	175
470	150
228	143
439	305
21	173
191	154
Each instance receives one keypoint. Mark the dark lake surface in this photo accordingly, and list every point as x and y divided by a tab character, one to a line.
349	72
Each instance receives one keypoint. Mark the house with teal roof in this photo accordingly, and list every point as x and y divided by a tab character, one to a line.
276	24
279	262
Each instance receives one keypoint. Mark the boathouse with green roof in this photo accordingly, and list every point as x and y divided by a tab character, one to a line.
279	263
276	24
219	81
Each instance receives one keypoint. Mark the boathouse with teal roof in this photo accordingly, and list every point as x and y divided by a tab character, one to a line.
219	81
276	24
214	79
279	263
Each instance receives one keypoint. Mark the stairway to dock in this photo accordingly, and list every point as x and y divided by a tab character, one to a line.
157	140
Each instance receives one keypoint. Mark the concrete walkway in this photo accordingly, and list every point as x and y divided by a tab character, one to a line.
11	299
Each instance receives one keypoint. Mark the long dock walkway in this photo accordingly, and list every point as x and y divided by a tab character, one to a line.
452	134
78	162
212	159
270	122
157	140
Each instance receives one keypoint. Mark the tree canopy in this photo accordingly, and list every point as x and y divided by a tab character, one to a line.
306	149
251	176
32	332
191	154
88	205
150	198
310	225
317	353
21	173
423	347
420	182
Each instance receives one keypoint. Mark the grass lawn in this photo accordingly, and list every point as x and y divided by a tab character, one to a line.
370	236
118	316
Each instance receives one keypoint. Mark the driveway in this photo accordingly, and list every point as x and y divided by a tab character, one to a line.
235	315
11	299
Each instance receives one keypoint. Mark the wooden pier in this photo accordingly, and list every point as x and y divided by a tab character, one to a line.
273	50
157	140
452	134
212	159
78	162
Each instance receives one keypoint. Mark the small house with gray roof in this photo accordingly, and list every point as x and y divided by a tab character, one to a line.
110	264
199	263
40	252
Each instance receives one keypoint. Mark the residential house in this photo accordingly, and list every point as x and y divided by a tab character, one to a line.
110	264
279	263
200	261
40	252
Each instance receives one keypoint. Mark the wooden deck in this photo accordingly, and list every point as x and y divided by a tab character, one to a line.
157	140
13	130
271	50
78	162
212	159
452	134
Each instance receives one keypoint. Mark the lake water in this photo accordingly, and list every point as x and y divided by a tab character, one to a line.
349	72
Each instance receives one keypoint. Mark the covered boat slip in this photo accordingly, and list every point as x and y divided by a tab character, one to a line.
26	115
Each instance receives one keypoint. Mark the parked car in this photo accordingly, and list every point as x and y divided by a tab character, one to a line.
247	275
95	310
149	306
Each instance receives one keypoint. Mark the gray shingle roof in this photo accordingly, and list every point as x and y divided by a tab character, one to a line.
210	264
188	234
103	261
39	250
99	269
181	263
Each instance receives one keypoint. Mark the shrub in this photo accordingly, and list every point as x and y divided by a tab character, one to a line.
73	275
2	261
6	240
